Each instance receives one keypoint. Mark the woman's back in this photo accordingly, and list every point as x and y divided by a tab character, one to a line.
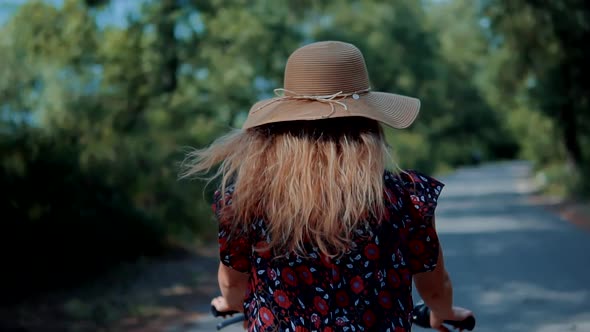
313	234
368	288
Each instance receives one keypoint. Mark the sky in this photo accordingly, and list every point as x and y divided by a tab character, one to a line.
114	14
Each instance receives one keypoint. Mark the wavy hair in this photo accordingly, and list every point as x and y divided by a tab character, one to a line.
313	182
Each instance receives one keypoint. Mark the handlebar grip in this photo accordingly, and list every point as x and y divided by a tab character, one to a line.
222	313
421	317
230	321
466	324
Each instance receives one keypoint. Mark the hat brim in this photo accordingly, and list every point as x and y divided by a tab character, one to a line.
393	110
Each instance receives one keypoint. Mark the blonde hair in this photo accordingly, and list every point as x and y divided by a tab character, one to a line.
313	182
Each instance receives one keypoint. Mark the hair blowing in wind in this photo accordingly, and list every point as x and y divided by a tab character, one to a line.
313	185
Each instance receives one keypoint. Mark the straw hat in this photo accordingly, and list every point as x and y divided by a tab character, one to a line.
329	79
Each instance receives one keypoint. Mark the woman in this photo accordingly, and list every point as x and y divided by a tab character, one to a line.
314	233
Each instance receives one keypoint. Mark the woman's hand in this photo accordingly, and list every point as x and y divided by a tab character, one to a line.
457	314
221	305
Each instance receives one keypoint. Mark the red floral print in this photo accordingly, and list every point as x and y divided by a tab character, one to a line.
357	284
417	247
282	299
320	305
315	319
289	276
372	251
262	249
304	274
369	318
342	298
393	278
266	316
272	274
359	291
385	299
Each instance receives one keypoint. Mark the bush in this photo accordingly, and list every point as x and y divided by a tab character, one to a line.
61	223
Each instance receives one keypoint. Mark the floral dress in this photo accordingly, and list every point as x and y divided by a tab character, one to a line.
367	289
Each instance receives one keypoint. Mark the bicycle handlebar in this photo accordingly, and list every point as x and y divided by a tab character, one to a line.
229	321
420	317
221	313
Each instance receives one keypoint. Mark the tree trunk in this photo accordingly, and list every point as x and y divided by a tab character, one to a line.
168	46
570	136
568	117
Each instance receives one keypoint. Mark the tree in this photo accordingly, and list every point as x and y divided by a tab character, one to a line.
549	40
410	49
114	105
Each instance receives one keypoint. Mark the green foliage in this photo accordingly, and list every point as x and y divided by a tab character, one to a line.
410	150
412	49
64	222
542	53
96	118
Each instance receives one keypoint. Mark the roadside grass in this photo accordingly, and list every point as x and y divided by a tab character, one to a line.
130	295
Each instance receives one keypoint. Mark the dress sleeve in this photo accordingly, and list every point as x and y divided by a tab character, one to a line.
234	246
422	193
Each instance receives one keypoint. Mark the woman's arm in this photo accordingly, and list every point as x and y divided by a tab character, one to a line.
436	289
233	285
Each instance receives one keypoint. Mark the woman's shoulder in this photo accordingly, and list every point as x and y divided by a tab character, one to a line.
415	184
227	191
222	198
421	189
409	177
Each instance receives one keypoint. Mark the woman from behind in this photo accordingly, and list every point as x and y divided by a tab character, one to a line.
315	234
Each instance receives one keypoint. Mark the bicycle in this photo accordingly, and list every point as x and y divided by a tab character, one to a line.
420	317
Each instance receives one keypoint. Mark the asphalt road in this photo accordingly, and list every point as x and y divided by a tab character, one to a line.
518	267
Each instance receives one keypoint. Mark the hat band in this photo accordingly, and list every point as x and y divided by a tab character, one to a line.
333	99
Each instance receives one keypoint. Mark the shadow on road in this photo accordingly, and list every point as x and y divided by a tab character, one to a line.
519	267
